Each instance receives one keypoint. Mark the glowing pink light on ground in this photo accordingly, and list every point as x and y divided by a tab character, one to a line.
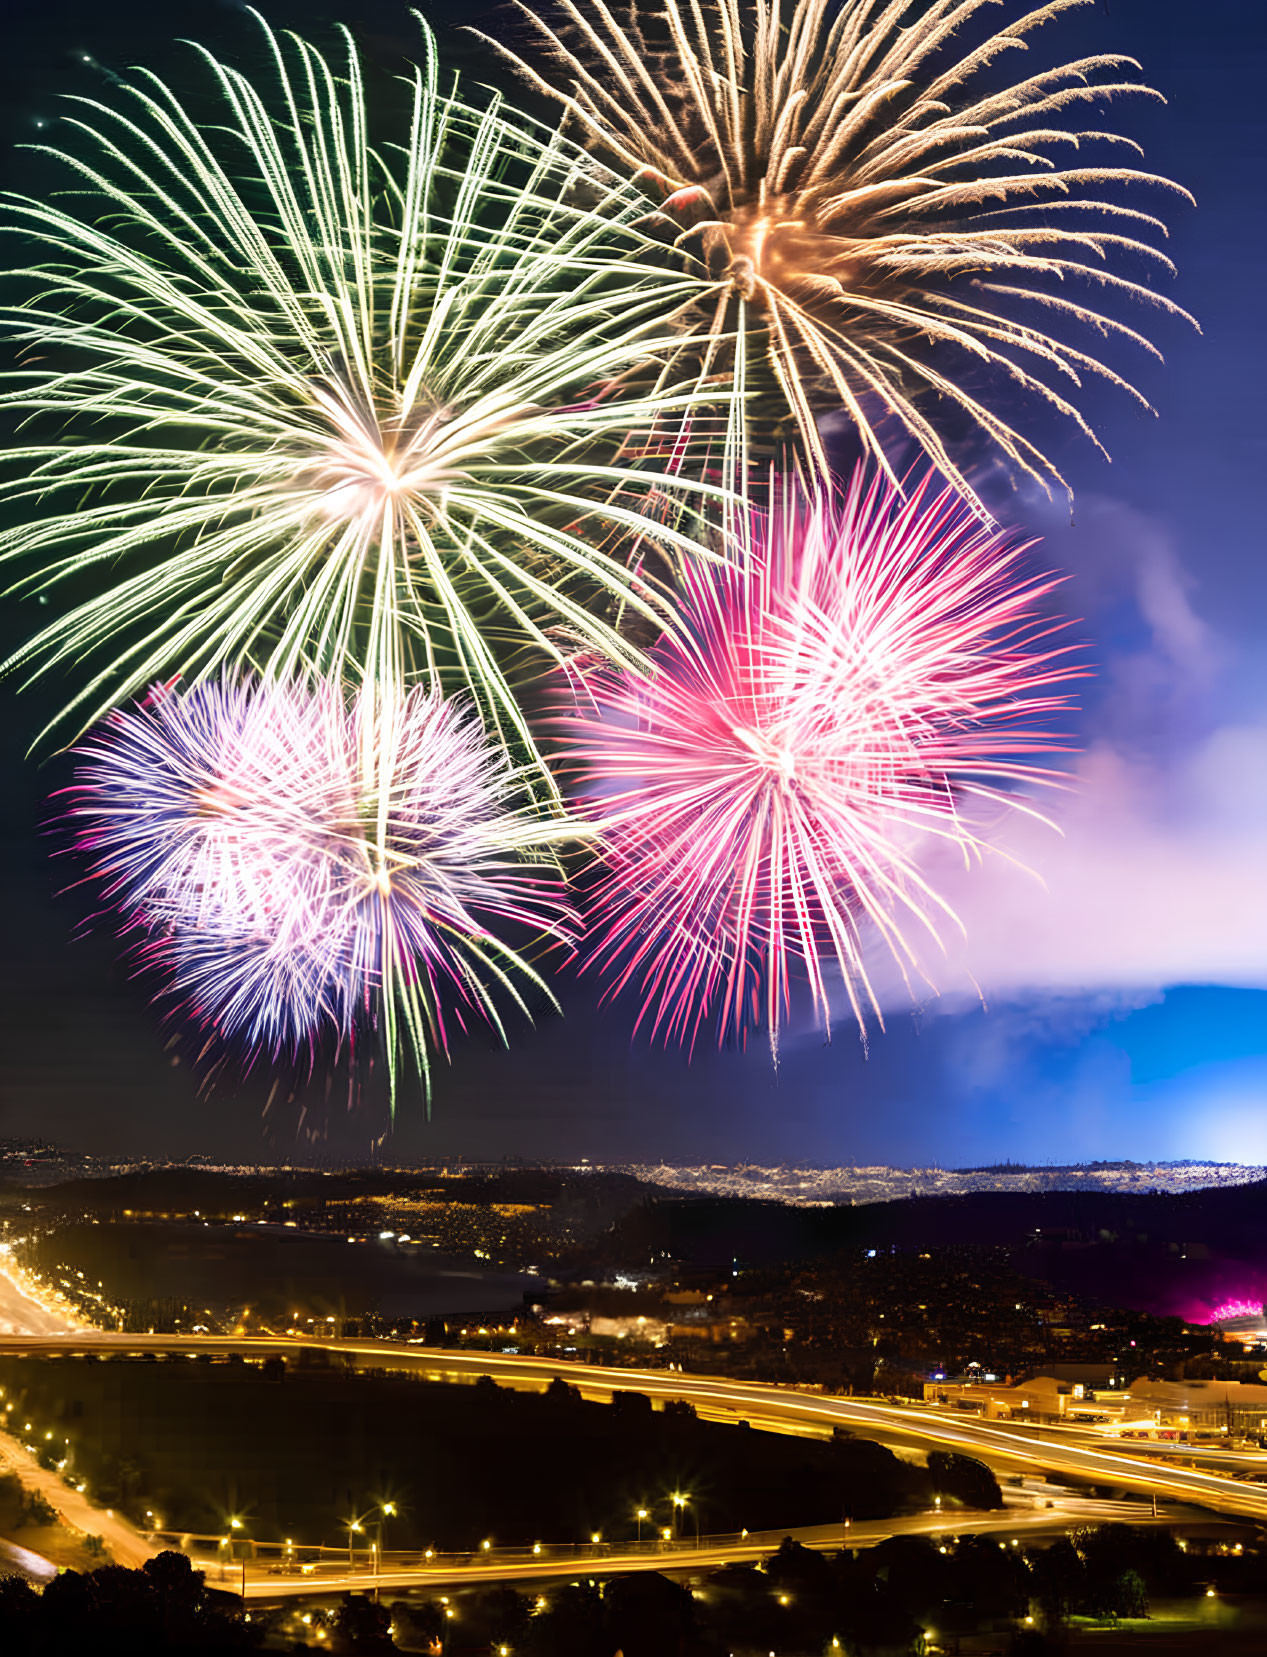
1235	1309
877	671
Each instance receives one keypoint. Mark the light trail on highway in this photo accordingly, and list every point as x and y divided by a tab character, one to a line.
22	1311
763	1404
681	1558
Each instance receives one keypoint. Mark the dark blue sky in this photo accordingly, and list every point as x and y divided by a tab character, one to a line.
1127	1007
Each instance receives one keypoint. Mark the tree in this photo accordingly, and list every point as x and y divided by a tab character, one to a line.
36	1509
162	1610
561	1392
362	1625
803	1587
874	1481
799	1569
634	1405
1059	1579
646	1615
1130	1595
988	1580
419	1626
19	1616
742	1609
1111	1551
915	1572
175	1582
570	1625
503	1615
965	1478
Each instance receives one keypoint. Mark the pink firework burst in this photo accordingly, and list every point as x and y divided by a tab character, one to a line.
300	866
875	674
1231	1310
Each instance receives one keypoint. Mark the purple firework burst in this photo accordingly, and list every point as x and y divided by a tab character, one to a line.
300	866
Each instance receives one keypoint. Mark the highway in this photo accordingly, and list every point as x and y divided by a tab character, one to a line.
124	1544
269	1577
22	1313
767	1406
521	1566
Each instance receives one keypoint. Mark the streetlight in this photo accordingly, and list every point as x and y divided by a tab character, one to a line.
680	1501
387	1510
642	1514
354	1529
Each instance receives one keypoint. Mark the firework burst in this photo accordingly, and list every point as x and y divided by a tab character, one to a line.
881	217
335	407
300	869
875	677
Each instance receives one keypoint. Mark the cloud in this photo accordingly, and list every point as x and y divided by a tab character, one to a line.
1157	877
1158	874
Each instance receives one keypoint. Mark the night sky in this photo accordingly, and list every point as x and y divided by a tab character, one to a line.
1126	1003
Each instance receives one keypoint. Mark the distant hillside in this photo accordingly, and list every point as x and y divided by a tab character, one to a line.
1168	1253
214	1193
1182	1253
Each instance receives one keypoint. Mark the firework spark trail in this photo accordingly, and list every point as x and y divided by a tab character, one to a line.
878	674
872	203
299	868
333	407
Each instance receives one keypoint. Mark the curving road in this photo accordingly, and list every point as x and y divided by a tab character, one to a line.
123	1542
464	1571
21	1313
771	1407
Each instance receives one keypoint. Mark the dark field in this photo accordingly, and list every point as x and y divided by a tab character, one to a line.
295	1450
275	1272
